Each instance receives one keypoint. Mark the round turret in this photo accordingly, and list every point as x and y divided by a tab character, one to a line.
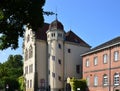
56	25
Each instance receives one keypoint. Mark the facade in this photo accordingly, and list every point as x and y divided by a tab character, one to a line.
101	66
51	55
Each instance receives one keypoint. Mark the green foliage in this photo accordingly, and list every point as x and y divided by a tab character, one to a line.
14	14
21	83
11	82
1	15
78	83
10	71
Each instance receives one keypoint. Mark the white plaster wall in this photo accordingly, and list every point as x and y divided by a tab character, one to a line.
72	59
41	59
54	66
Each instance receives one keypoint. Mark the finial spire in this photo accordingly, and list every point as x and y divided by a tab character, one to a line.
56	15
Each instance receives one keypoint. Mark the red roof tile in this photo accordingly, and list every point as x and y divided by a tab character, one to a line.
72	37
41	33
69	36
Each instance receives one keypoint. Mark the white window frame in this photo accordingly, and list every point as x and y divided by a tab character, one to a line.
105	58
116	56
105	80
116	79
95	60
87	63
95	80
30	83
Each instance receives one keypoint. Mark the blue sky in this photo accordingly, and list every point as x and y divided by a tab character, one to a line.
95	21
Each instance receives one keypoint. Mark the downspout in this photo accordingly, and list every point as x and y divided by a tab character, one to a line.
109	69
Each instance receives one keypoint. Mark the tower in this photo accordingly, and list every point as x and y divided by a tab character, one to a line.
55	39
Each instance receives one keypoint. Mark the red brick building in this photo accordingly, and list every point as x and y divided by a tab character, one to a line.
101	66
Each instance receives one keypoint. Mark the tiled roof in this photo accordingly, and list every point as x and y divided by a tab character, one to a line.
107	44
69	36
41	32
72	37
56	25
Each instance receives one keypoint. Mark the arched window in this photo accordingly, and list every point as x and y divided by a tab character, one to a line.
116	79
95	80
26	54
30	51
105	80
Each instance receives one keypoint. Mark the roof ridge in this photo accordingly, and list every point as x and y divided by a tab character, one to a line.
112	41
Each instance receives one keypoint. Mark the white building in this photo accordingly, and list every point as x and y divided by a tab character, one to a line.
50	56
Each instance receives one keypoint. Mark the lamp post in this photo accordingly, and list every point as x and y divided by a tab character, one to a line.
78	89
7	87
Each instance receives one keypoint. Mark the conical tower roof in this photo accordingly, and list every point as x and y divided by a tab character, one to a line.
56	25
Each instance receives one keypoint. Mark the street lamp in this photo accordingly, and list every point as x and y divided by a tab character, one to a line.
7	87
78	89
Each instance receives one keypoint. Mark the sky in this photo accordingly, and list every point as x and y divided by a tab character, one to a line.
94	21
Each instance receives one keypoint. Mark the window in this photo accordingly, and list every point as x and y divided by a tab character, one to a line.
69	50
59	46
105	80
30	83
53	58
78	69
59	61
116	79
49	72
95	60
116	56
87	63
53	74
26	70
30	51
59	78
53	34
105	58
59	90
26	54
31	68
42	82
88	80
95	80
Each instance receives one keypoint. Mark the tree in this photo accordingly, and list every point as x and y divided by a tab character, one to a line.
14	14
22	84
77	84
10	71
